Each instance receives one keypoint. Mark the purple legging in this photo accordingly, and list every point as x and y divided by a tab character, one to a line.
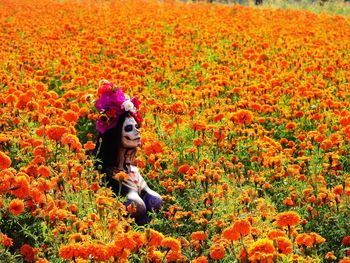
150	201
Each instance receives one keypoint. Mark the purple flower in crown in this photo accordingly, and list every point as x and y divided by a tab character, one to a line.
113	103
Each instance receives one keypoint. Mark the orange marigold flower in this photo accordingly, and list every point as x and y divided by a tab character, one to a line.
201	259
231	234
5	240
172	243
183	169
155	238
330	256
174	256
199	235
20	187
284	245
261	250
242	117
242	226
309	239
71	140
16	206
346	241
273	234
121	176
44	171
291	126
338	190
89	146
66	252
70	116
55	132
5	161
289	218
288	201
217	251
28	252
198	126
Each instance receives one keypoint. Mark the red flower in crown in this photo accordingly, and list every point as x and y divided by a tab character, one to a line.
112	103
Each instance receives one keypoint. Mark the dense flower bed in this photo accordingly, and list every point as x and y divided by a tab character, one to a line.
246	131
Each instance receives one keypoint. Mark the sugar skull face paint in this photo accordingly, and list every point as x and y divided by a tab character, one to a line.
130	133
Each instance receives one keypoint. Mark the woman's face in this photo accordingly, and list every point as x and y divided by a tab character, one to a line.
130	133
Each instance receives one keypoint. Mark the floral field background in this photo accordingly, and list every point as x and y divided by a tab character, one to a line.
246	133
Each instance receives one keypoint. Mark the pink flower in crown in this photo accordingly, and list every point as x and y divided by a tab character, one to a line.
112	103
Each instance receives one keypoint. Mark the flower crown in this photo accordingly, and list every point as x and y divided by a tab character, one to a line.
112	103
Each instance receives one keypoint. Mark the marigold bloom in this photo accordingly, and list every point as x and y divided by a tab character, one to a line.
330	256
201	259
284	245
5	240
55	132
242	226
16	206
231	234
121	176
261	250
199	235
309	239
183	169
172	243
217	251
155	238
44	171
289	218
242	117
291	126
71	116
338	190
89	146
346	241
20	186
28	252
273	234
5	161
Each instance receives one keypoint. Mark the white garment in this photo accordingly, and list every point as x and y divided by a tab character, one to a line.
135	181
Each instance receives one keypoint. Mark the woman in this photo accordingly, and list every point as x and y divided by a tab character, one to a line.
119	137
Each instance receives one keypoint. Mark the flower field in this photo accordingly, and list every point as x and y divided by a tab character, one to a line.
246	131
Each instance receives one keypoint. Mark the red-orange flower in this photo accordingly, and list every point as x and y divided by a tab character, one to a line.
55	132
199	235
201	259
20	187
242	227
172	243
155	238
28	252
261	250
242	117
5	240
89	146
284	245
5	161
289	218
16	206
217	251
231	234
346	241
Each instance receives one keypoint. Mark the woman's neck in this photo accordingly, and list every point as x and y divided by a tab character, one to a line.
126	158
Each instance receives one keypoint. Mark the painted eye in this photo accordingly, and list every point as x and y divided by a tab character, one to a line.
128	128
137	126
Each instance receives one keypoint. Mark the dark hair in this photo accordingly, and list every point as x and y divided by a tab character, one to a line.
108	145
